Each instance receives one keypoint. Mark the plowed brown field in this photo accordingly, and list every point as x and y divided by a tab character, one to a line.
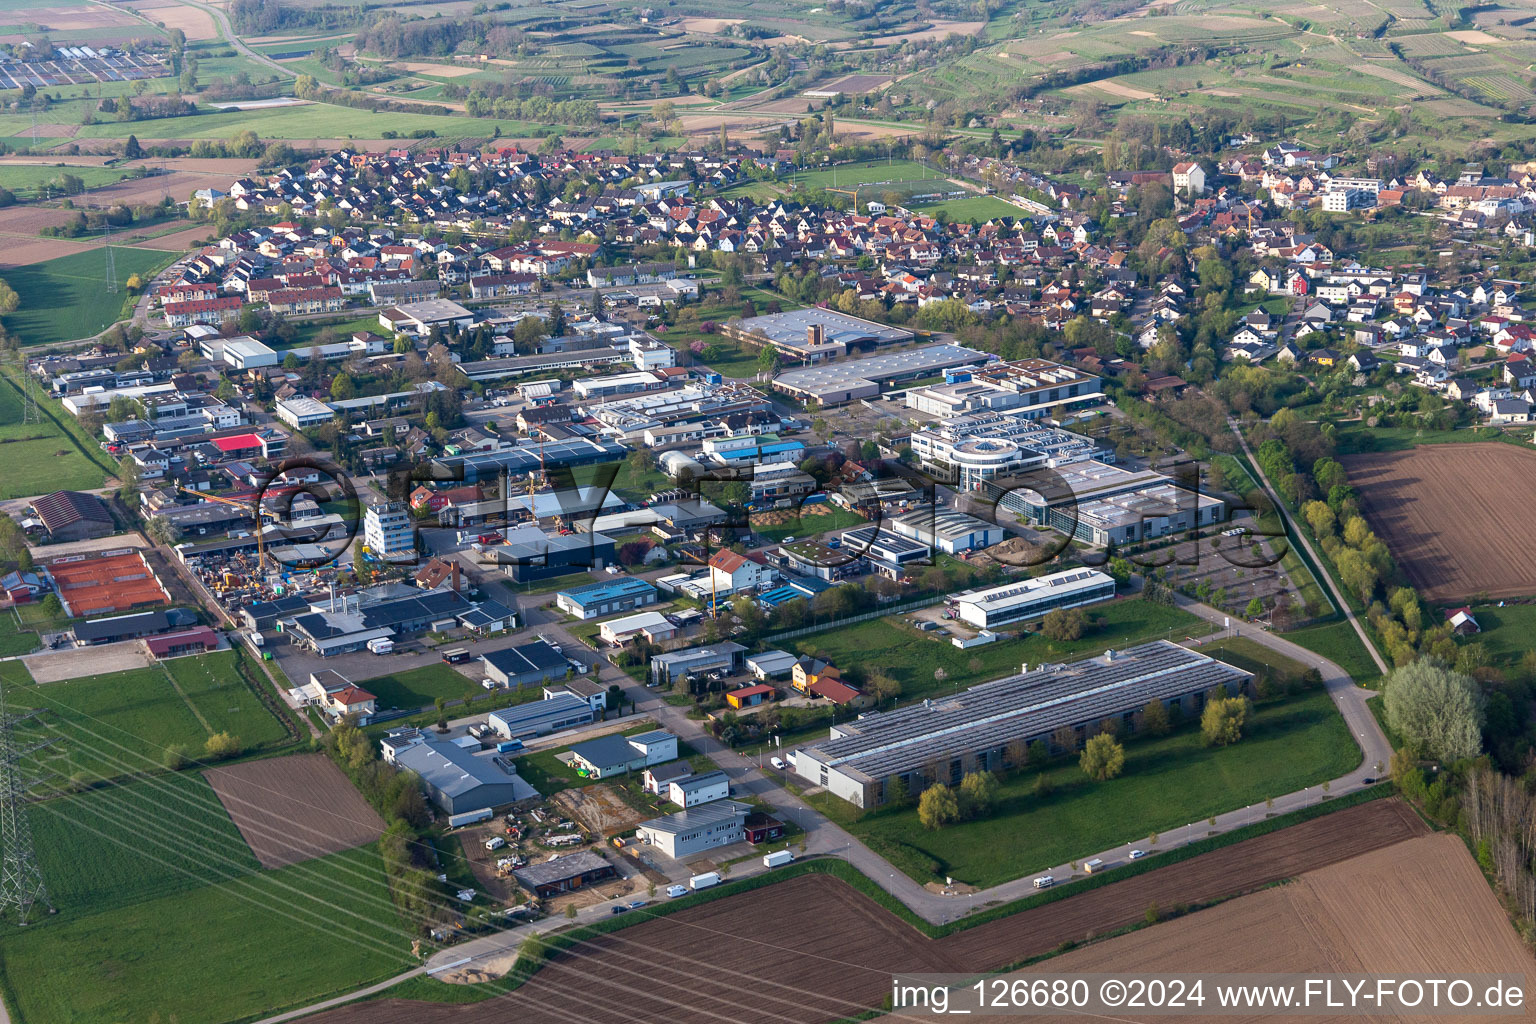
295	808
1419	907
1446	511
814	949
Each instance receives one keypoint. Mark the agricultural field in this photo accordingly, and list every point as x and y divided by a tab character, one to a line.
797	920
1415	907
295	808
27	180
1168	782
66	298
1442	510
36	458
293	944
912	657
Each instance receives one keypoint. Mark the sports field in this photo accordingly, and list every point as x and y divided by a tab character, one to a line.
120	724
66	298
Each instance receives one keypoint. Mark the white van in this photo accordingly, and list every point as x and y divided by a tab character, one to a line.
1044	882
777	763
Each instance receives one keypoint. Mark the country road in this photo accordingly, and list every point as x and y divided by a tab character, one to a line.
1295	531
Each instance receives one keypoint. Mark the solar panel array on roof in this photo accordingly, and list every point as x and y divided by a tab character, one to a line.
1031	704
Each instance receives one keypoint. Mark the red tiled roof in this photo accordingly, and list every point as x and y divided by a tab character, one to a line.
236	442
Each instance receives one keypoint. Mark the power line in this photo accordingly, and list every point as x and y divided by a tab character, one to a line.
111	262
21	879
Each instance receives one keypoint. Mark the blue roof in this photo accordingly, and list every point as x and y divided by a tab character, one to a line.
607	590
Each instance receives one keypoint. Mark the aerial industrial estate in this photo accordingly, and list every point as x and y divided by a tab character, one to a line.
489	492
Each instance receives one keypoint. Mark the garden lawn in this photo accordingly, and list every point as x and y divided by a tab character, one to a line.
811	525
1338	642
912	657
15	640
1506	632
65	298
1168	783
229	951
420	687
213	685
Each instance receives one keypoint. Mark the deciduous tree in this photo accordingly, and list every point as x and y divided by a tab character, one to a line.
1102	758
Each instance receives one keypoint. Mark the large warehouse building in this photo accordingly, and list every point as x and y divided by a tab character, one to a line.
814	335
1101	504
941	740
1031	599
851	380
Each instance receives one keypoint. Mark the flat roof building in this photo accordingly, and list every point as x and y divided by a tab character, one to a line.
725	656
1030	599
982	727
814	335
696	829
1102	504
565	873
606	598
946	530
854	379
246	353
302	412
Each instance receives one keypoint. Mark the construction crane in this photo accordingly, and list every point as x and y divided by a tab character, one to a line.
260	510
848	192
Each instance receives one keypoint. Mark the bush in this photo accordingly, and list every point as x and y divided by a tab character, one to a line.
222	746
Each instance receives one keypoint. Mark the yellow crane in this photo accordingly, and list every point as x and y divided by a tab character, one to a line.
254	507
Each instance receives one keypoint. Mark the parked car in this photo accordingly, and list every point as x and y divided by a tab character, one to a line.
637	904
674	891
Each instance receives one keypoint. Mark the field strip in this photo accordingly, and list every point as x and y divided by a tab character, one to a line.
185	700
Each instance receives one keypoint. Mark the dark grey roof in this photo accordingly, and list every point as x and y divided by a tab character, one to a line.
606	751
561	868
535	656
142	623
1032	704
